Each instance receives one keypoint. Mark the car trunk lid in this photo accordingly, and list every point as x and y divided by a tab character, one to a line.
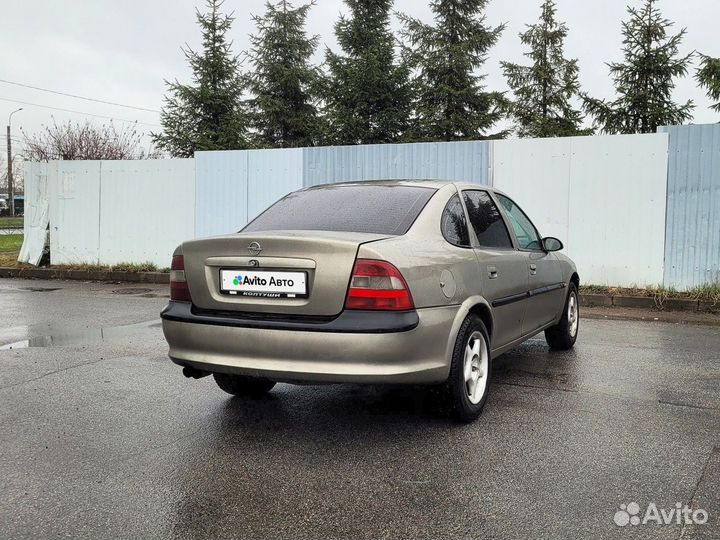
325	258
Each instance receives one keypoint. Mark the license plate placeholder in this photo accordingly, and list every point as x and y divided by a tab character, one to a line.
263	283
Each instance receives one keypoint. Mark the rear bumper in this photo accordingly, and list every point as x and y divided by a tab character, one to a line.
362	351
366	322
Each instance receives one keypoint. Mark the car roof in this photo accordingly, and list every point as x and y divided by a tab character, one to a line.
435	184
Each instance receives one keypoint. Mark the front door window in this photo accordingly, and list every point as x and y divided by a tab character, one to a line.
525	232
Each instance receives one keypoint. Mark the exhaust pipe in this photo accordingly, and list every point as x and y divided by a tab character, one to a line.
192	373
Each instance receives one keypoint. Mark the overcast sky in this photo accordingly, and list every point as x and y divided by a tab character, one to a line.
122	51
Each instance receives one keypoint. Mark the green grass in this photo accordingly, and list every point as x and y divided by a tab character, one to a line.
10	243
11	222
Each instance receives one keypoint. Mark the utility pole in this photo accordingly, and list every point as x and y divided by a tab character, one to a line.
11	191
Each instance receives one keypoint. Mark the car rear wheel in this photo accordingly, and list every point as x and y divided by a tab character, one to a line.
470	370
239	385
562	336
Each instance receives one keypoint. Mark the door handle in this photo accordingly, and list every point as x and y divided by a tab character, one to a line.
533	269
492	272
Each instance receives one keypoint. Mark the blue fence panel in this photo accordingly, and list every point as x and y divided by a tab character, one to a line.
232	187
455	161
692	228
272	174
221	192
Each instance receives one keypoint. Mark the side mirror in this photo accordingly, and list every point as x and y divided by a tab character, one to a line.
552	244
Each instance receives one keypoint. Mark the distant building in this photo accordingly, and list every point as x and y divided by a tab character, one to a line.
5	207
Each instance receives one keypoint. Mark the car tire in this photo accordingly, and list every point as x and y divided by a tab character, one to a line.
469	379
239	385
563	335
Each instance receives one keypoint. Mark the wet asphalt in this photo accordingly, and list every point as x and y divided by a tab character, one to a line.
102	437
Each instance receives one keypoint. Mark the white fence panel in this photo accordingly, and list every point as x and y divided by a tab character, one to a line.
618	189
37	209
147	208
535	174
604	197
74	188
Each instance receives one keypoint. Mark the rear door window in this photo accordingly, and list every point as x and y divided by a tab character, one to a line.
366	208
486	220
453	224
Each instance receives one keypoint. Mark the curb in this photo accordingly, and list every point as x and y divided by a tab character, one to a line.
673	317
590	300
648	302
85	275
707	305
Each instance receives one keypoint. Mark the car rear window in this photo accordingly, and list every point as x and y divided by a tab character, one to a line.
377	209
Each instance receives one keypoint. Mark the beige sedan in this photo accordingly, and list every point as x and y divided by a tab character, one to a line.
378	282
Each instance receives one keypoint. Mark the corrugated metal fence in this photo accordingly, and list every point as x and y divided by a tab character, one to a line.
692	227
455	161
235	186
606	197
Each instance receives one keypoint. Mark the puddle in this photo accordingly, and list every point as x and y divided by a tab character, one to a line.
40	289
81	337
132	290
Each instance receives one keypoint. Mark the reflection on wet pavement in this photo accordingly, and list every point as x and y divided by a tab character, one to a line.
106	439
81	337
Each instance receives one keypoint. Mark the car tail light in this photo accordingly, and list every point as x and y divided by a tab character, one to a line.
378	285
178	285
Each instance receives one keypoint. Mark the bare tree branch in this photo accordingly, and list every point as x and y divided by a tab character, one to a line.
85	141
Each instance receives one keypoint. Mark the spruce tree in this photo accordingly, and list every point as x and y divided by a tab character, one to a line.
543	90
368	94
207	114
708	76
451	102
283	81
645	80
